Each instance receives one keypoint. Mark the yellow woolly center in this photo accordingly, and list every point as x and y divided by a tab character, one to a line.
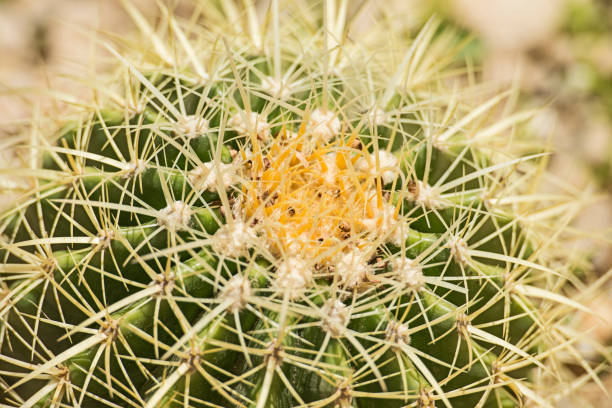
307	193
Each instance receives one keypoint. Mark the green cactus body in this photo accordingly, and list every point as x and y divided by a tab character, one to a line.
262	235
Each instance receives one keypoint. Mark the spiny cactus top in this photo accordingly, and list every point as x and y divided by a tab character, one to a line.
292	214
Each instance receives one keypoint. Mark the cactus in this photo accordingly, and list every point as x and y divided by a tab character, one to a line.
286	215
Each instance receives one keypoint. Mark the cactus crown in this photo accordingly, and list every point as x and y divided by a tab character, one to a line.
293	215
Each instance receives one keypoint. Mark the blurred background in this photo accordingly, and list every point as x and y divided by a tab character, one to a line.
559	52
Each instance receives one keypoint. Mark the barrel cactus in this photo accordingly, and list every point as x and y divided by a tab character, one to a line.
282	212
